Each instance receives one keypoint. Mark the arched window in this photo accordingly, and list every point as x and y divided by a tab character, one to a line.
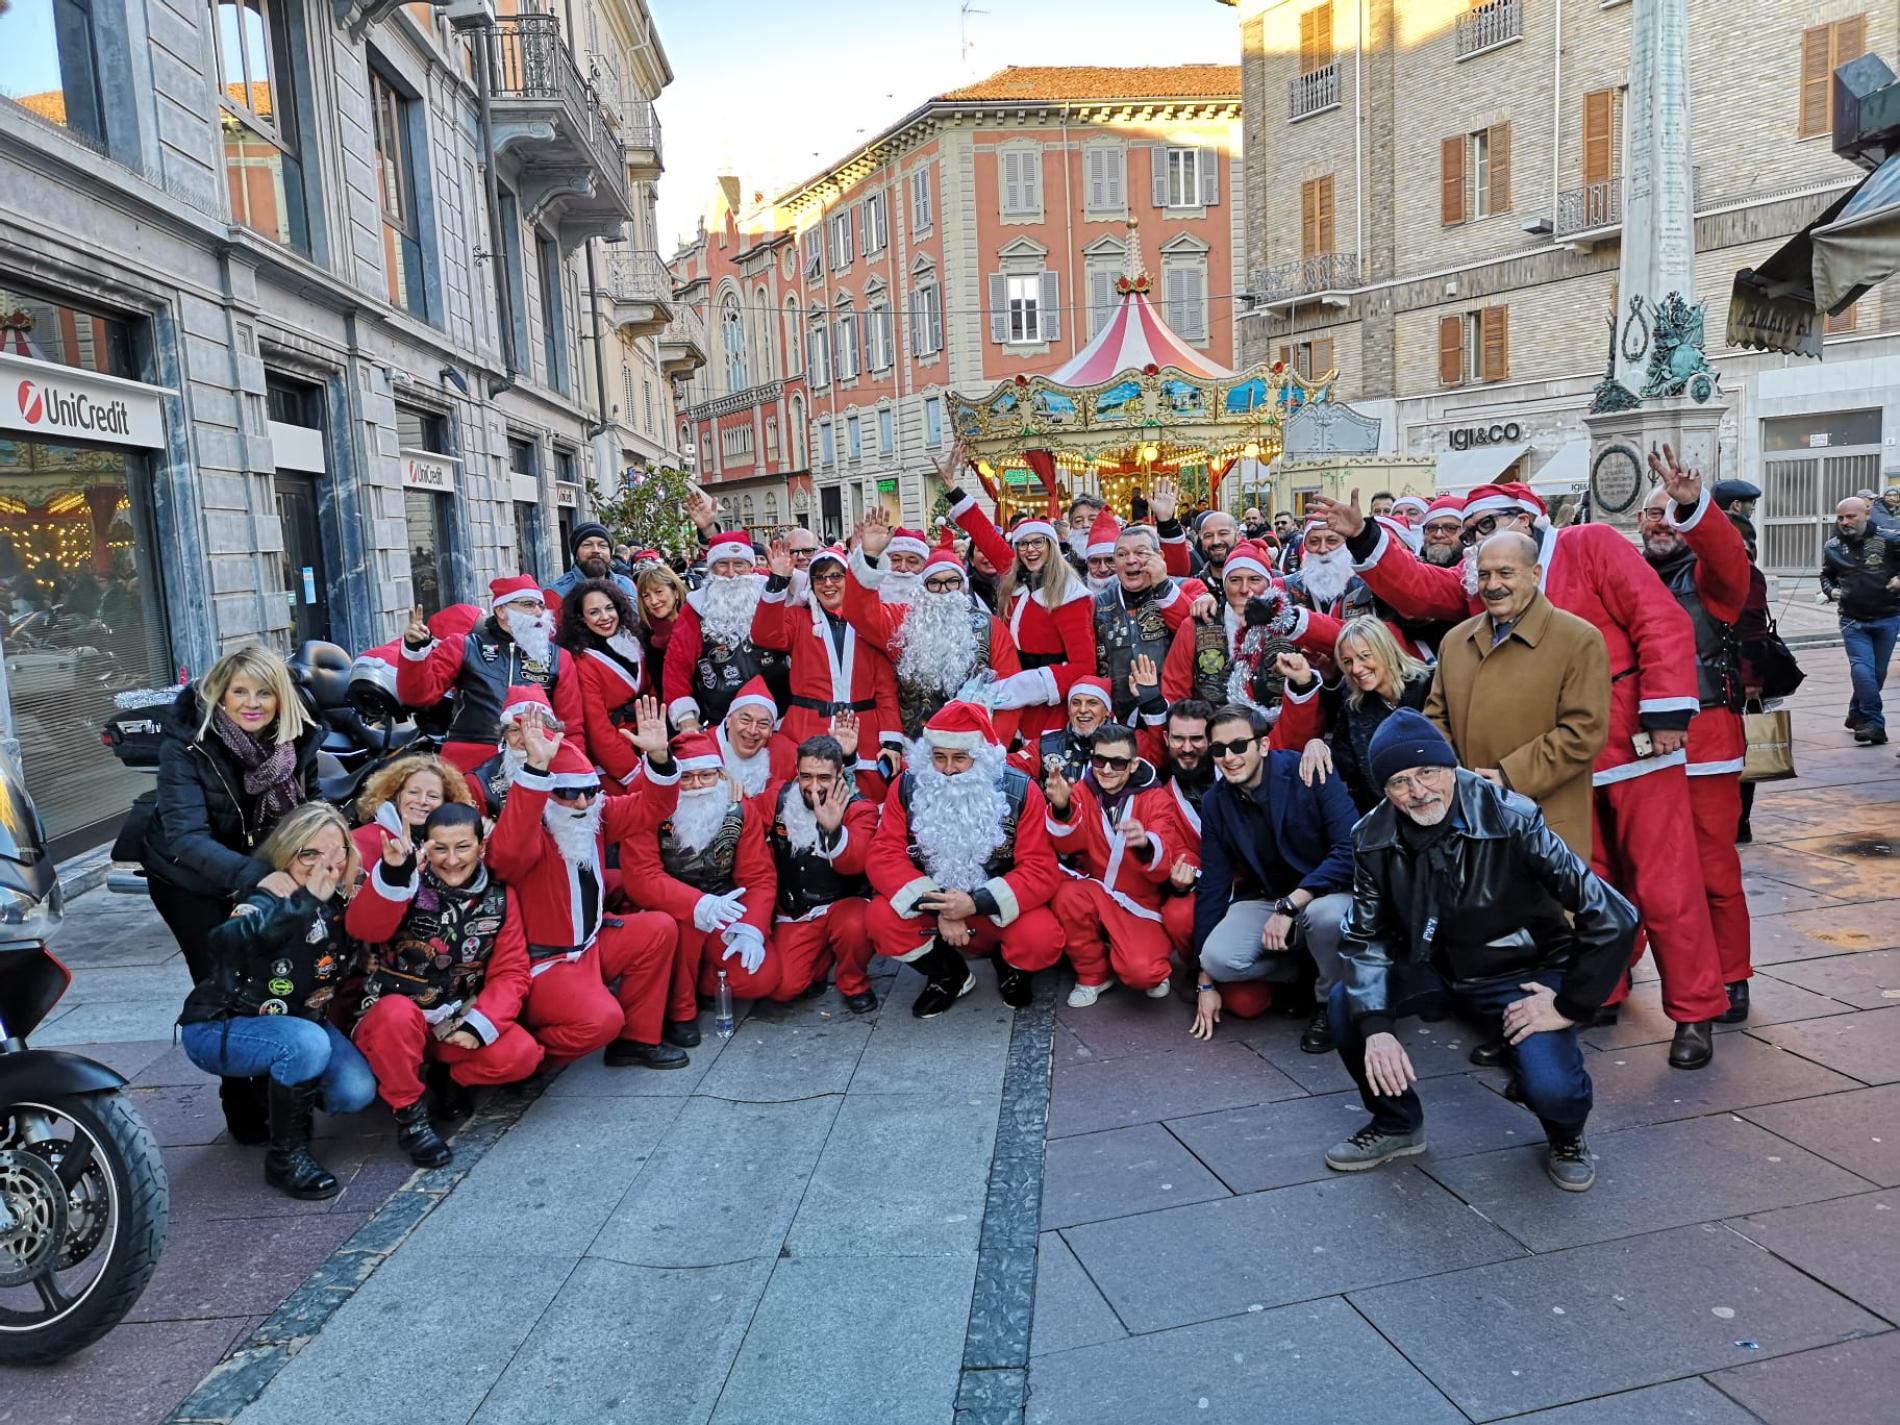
771	508
794	339
745	511
797	409
732	342
762	330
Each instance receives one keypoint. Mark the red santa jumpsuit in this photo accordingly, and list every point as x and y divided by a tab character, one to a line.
609	687
683	648
1642	804
426	676
809	942
574	946
1111	893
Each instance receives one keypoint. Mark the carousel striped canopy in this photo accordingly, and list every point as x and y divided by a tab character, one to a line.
1135	337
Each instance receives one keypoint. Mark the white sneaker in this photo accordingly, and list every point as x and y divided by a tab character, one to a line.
1159	991
1082	996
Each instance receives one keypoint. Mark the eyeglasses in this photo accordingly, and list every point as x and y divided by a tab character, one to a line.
944	584
1103	763
828	576
309	856
1651	516
1483	529
1405	783
1231	749
576	794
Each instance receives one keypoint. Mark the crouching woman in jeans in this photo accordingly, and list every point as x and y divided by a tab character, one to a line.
263	1008
445	973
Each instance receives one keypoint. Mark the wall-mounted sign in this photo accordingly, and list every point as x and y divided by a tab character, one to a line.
425	470
567	496
1616	478
46	399
524	488
1471	437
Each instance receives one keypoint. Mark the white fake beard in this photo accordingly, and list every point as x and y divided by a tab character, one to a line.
900	588
700	815
1102	583
1468	573
957	821
801	823
576	831
726	606
936	645
533	632
1079	542
752	772
1325	576
513	759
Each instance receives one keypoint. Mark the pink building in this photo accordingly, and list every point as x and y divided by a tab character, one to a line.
976	239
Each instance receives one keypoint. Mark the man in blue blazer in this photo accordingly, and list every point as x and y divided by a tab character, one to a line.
1276	872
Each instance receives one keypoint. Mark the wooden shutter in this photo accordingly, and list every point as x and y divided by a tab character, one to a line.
999	307
1494	325
1174	298
1012	181
1051	314
1101	298
1194	298
1095	162
1031	161
1599	135
1451	181
1451	351
1816	70
1286	356
1209	164
1309	217
1159	159
1322	358
1324	236
1845	322
1500	168
1115	178
1316	38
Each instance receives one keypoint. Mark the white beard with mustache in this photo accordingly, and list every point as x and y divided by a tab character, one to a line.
532	631
726	606
801	823
900	588
1325	576
751	772
936	646
1079	542
513	759
1468	572
576	831
957	821
1101	584
700	815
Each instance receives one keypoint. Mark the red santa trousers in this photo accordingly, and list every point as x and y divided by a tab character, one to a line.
1032	941
696	967
1640	849
397	1041
1177	913
572	1012
1137	948
1716	800
807	948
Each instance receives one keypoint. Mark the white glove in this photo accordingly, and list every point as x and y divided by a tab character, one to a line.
1030	688
712	912
745	942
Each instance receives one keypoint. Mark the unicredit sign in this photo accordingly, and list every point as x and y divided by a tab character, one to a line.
44	399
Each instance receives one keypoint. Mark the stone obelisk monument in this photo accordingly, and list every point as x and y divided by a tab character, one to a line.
1658	385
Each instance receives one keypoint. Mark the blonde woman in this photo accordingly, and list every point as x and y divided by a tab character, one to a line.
662	596
1376	676
237	751
263	1007
396	800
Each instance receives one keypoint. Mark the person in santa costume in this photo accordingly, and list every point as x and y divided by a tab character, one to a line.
710	655
513	647
1136	619
937	637
1185	772
1642	789
1098	551
1066	748
1219	660
443	973
835	672
602	633
753	757
1117	833
489	781
1411	509
821	840
549	848
962	865
708	867
1441	532
1701	557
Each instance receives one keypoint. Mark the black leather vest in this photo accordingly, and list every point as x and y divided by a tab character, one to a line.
440	952
494	785
723	669
1073	752
806	880
1003	859
710	869
1212	659
917	705
1123	634
492	663
1718	649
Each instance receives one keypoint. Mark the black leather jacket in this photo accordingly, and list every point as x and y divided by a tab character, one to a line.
1486	901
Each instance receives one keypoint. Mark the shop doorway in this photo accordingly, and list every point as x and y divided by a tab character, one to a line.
1809	465
831	512
307	573
430	539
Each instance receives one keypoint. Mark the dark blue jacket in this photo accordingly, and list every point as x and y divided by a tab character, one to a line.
1312	838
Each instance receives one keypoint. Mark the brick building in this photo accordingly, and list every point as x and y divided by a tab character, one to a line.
1435	194
976	239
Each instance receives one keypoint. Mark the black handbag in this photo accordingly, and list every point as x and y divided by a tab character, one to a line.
1775	664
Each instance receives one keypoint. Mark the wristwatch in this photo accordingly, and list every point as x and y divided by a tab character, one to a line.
1284	906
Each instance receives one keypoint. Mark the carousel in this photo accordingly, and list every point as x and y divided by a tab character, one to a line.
1136	405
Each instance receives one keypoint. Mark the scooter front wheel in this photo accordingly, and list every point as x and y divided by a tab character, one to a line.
83	1209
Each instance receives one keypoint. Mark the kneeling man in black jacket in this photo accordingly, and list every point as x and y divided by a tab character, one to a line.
1460	894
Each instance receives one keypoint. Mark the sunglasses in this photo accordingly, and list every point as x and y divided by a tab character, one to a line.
1231	749
828	576
575	794
1103	763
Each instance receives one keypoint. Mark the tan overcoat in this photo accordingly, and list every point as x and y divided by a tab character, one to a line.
1536	707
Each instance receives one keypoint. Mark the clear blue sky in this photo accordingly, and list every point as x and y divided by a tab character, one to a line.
774	91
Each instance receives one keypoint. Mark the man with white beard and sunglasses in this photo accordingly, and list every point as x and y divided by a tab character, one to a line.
711	655
512	648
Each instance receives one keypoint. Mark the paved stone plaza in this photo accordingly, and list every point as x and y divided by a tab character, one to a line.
833	1220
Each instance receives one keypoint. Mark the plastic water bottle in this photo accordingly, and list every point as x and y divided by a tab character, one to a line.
722	1009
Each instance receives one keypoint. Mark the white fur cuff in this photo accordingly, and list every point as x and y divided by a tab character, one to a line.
905	901
862	570
419	655
1007	906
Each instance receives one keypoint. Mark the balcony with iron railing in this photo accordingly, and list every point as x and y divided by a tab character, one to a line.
640	288
1486	26
1312	92
640	136
1593	212
1325	277
564	142
683	343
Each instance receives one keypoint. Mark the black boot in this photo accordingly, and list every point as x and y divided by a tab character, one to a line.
448	1100
1487	1053
246	1110
1737	1011
947	978
631	1053
417	1137
1693	1046
681	1033
288	1166
1318	1038
861	1004
1017	987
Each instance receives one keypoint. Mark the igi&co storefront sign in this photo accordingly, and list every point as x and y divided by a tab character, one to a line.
41	398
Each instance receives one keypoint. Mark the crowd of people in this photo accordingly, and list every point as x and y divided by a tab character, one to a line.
1425	758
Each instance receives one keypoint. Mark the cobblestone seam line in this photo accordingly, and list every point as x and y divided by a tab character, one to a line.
994	1386
241	1377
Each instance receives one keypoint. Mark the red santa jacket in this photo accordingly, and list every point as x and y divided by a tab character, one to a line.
650	887
1099	851
1595	573
424	677
608	691
1061	639
1029	881
683	648
523	853
1717	743
857	675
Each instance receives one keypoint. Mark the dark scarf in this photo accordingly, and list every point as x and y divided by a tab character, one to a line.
270	774
1671	564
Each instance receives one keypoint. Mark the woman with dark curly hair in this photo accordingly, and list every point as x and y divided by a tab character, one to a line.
602	631
396	800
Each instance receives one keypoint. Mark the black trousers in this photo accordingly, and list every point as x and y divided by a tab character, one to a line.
190	917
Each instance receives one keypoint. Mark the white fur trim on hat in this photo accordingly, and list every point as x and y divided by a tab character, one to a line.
753	700
908	544
1089	690
1490	505
729	545
698	764
1030	528
955	741
1244	564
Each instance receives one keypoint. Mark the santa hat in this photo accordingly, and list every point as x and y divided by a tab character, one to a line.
944	557
1529	499
697	752
1092	687
754	695
644	557
1415	503
1445	507
512	588
961	727
832	552
1103	534
1399	530
1312	523
728	544
526	699
1248	558
1032	527
1494	499
570	770
909	541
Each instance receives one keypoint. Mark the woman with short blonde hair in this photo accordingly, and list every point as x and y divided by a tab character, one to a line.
1377	677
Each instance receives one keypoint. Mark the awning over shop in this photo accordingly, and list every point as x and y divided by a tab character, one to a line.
1862	245
1462	470
1569	465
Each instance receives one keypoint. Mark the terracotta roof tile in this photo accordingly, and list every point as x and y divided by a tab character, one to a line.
1095	82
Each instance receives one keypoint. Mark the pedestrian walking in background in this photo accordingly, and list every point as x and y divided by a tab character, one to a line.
1860	572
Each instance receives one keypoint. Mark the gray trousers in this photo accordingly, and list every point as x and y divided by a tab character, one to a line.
1233	951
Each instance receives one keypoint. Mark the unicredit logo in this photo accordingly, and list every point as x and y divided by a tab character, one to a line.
74	411
31	406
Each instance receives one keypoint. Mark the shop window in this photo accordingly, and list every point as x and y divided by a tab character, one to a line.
49	67
257	85
428	516
37	327
395	168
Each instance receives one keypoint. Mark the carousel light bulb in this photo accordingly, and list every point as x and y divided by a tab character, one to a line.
984	469
1149	452
1251	450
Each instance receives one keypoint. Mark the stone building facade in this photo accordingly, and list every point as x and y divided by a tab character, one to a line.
1436	196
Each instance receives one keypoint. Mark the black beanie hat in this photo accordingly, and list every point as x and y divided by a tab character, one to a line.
590	529
1406	740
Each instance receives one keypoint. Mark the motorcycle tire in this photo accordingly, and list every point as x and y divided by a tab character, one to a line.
136	1174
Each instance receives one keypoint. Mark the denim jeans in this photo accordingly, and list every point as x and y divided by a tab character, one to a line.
291	1051
1548	1066
1869	644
